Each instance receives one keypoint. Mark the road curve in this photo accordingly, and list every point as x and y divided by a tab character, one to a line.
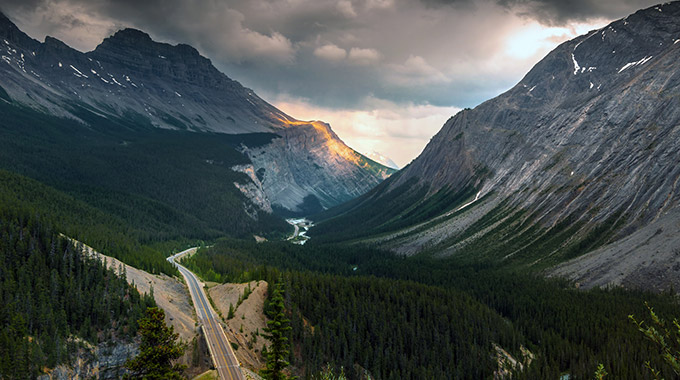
225	361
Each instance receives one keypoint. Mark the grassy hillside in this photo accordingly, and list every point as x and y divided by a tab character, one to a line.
505	234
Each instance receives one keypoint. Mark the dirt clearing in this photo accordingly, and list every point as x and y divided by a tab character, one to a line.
245	328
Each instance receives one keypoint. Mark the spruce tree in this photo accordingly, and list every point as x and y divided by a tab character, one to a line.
230	315
275	332
159	348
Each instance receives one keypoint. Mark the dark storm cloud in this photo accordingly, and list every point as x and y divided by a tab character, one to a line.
334	53
561	12
392	62
7	5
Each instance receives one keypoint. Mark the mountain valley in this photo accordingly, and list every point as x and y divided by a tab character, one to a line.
142	86
579	154
526	241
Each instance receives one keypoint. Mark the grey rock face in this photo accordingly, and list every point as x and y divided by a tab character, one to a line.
149	84
129	74
310	159
253	190
647	258
103	362
590	134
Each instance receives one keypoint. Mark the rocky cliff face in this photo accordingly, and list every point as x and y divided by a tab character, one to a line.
598	114
146	84
105	361
128	74
580	153
310	159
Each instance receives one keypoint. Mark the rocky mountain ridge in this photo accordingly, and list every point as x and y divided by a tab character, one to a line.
147	84
580	153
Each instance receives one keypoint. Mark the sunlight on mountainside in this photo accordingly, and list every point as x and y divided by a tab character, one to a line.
333	143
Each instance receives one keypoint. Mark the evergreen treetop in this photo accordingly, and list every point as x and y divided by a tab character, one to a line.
276	332
159	348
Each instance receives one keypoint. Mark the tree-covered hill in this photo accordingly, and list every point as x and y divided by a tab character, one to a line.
123	185
422	318
53	298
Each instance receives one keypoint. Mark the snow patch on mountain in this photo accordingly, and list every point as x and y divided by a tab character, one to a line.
636	63
381	159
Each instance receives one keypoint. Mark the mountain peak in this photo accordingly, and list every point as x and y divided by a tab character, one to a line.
130	35
129	40
4	20
7	27
11	33
382	159
56	44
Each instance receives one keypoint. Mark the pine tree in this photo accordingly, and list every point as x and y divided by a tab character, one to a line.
230	315
276	331
158	349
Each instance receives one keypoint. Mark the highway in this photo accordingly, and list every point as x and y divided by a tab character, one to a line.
225	361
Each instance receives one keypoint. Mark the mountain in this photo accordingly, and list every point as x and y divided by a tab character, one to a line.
577	163
378	157
143	84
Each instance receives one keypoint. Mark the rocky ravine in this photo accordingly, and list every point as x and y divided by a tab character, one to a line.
585	146
145	84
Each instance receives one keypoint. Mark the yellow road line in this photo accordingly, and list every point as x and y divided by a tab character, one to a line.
213	333
220	344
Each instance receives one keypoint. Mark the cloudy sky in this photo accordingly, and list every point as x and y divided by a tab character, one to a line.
385	73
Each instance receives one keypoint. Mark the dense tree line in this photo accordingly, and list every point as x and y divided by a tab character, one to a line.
78	220
568	330
391	328
136	185
394	329
52	296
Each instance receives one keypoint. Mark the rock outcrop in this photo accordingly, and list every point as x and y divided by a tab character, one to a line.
253	189
105	361
309	168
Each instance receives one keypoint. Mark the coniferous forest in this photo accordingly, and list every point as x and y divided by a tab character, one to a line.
365	310
54	299
124	187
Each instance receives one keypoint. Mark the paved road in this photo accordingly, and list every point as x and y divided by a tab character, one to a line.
223	357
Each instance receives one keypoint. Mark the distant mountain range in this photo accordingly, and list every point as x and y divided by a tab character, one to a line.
577	165
143	84
379	158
